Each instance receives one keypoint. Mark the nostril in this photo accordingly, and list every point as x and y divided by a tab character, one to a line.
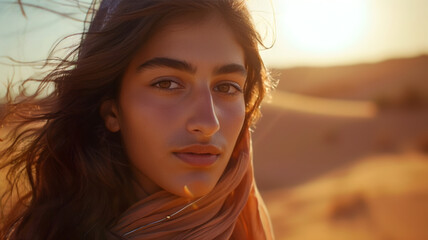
202	126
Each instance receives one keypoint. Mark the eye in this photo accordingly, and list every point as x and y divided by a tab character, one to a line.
166	84
228	88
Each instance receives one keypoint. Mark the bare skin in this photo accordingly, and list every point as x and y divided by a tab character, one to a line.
182	91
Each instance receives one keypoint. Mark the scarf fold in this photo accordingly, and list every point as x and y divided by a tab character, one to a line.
234	209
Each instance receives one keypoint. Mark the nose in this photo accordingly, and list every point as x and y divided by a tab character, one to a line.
203	119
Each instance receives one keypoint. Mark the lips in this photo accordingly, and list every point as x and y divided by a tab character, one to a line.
199	155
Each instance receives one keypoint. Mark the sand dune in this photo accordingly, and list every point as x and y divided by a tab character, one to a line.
379	197
324	106
342	152
357	82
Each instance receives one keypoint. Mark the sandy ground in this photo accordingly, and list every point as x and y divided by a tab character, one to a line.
379	197
331	176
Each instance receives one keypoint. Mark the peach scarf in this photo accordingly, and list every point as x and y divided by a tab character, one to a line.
234	209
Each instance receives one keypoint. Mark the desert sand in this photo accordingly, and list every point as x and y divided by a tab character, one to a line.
347	159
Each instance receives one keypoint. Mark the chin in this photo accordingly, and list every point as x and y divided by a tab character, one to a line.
194	189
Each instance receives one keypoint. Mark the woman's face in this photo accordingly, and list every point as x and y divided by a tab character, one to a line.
181	107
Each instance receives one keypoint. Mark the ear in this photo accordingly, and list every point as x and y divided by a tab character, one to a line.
109	113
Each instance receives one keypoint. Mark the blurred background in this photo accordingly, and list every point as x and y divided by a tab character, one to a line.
341	151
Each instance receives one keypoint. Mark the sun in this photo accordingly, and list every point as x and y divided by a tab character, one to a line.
321	25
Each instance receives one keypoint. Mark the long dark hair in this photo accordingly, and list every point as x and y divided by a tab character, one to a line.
68	176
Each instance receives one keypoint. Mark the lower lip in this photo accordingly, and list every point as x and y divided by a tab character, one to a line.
197	160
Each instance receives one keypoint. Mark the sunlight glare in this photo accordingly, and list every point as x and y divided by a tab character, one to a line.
322	25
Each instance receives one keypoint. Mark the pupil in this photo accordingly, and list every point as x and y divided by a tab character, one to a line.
224	88
165	84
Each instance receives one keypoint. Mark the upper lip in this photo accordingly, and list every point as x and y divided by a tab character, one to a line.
200	149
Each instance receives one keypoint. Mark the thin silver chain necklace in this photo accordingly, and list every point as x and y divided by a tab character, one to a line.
168	217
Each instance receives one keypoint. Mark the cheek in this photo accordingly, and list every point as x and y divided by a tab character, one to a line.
150	110
231	117
148	126
145	113
151	119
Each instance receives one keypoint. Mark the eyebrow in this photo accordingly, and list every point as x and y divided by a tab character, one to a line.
187	67
231	68
167	62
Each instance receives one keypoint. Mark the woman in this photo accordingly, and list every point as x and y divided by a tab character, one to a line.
146	134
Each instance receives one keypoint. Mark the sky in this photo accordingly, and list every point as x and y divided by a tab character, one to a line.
343	32
306	32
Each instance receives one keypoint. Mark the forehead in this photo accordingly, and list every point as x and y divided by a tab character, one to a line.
208	41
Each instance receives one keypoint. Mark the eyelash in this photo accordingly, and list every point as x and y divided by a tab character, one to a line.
167	80
235	86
